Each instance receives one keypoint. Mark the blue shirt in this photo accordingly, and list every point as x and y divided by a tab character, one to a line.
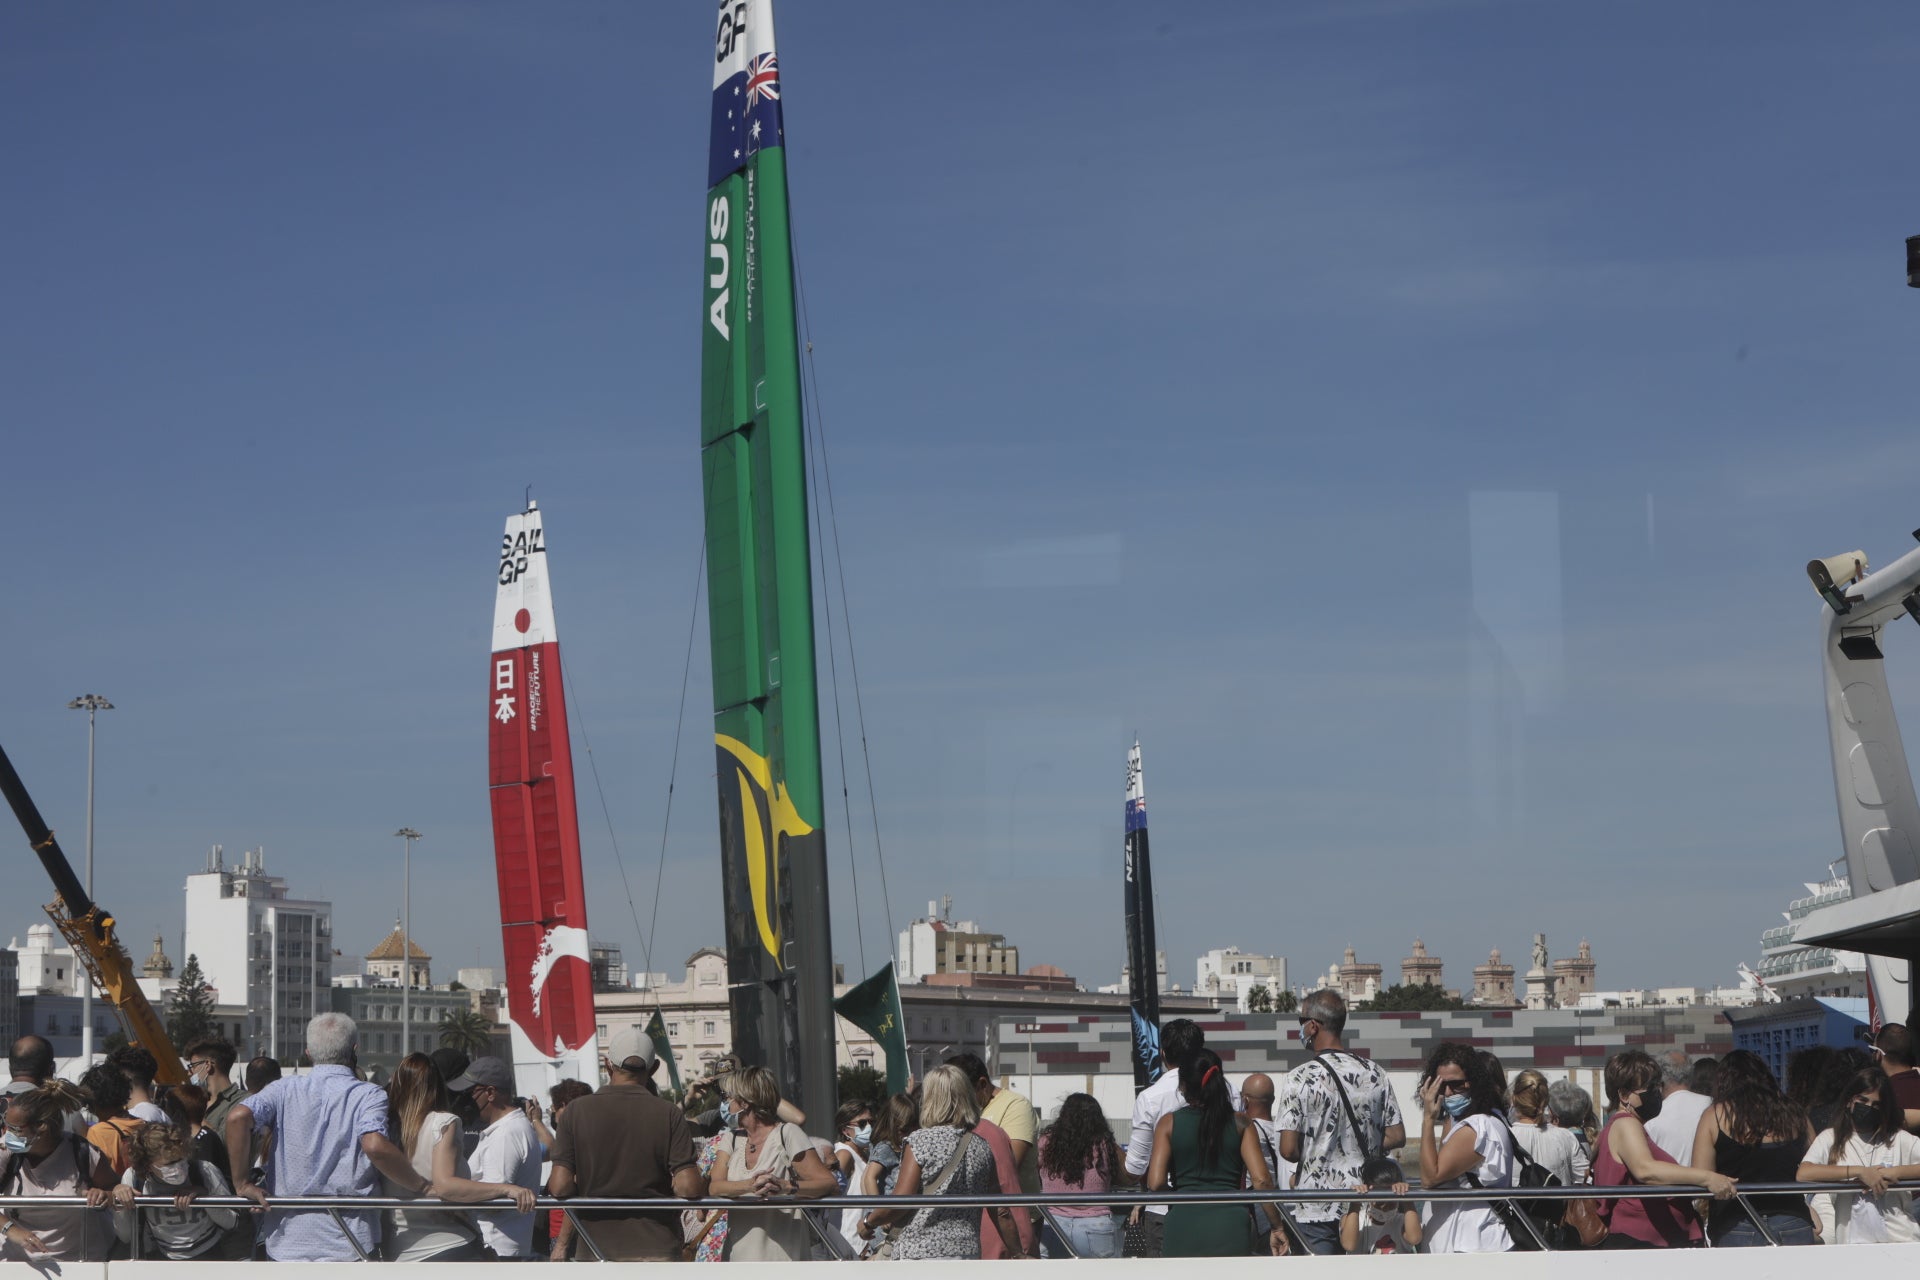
318	1120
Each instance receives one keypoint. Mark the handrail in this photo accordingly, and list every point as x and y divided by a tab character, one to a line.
1287	1195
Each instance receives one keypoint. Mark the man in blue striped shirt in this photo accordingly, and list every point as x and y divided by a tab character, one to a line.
329	1139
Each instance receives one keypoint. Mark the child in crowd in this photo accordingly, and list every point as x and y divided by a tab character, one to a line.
162	1164
1381	1227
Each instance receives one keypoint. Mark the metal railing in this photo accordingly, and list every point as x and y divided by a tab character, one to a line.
815	1209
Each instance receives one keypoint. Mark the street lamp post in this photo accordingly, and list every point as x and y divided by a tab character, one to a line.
89	703
409	835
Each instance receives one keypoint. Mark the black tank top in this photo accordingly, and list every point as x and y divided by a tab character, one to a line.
1757	1162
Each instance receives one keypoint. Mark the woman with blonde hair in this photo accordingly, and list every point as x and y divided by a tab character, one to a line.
424	1126
43	1159
768	1157
1552	1149
944	1156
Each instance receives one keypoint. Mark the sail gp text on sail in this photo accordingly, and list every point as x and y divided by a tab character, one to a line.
535	829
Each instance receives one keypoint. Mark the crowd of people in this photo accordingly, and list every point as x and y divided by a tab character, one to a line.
448	1136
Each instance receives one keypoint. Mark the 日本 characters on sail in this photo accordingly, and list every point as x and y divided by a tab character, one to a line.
536	838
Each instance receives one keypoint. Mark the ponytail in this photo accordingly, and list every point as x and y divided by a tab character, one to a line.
1205	1088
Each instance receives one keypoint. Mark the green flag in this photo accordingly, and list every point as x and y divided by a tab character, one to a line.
874	1007
657	1032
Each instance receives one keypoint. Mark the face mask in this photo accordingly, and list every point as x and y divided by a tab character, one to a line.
726	1111
15	1142
1458	1104
172	1174
1866	1118
863	1135
198	1080
1650	1104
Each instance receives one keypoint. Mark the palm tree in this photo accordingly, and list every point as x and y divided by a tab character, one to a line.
469	1031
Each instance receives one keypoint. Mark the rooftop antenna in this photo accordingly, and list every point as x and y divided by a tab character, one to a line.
529	497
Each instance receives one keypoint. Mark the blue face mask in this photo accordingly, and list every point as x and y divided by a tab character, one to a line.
863	1135
15	1142
1457	1105
726	1111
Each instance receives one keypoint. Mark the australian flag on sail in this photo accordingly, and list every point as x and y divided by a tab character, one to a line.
746	87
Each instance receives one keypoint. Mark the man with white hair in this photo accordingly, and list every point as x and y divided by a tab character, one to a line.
1680	1109
329	1139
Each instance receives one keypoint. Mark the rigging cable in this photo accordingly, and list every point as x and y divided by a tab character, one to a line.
839	733
574	706
846	615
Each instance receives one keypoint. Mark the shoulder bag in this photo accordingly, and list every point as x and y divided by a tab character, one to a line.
1545	1215
1368	1151
938	1186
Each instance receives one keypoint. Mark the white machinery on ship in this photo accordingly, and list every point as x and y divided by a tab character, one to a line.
1873	785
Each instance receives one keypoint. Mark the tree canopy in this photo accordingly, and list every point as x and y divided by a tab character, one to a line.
1414	995
190	1014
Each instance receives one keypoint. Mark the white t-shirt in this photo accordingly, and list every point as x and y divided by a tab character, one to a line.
1278	1165
1864	1219
856	1185
1673	1129
1471	1226
1383	1230
1552	1149
148	1112
507	1151
418	1236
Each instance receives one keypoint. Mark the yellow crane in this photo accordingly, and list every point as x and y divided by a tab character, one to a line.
89	930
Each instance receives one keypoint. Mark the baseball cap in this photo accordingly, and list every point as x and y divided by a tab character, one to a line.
487	1071
630	1044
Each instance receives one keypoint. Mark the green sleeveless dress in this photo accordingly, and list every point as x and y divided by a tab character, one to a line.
1205	1230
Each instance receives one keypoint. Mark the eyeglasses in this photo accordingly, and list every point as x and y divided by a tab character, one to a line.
1455	1086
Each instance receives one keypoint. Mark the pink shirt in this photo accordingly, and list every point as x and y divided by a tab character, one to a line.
1093	1180
1008	1170
1668	1223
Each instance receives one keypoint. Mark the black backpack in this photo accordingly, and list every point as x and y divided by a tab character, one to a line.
1529	1175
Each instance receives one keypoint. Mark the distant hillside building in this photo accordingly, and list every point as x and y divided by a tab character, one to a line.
1228	975
261	949
939	944
385	966
1573	976
1354	980
1493	983
1420	969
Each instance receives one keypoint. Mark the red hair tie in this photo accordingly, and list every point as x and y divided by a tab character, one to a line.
1211	1073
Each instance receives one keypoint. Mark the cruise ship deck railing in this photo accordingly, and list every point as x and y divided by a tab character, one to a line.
828	1206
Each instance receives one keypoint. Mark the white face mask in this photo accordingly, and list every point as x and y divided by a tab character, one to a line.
172	1174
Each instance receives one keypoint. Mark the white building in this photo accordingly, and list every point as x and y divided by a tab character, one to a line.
940	944
262	949
45	968
1123	986
1228	975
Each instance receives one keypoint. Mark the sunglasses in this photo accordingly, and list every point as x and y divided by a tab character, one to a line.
1454	1086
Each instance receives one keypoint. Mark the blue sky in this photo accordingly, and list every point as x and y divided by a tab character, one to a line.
1410	419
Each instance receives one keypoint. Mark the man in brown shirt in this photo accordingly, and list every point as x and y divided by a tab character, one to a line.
626	1142
1895	1047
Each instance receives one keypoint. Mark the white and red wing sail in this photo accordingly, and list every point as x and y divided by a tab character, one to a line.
536	833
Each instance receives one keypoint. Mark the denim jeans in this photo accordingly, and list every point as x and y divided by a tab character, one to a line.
1320	1237
1786	1228
1088	1237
